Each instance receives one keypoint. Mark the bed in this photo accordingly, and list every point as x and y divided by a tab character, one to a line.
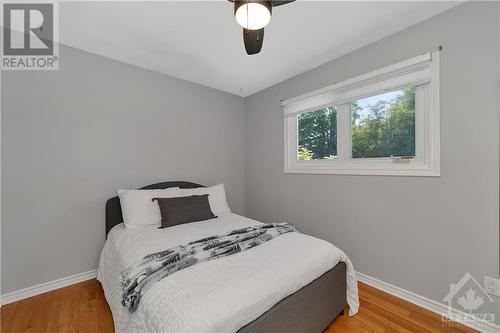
276	287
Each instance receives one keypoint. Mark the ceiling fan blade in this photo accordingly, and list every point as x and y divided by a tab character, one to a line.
280	2
253	40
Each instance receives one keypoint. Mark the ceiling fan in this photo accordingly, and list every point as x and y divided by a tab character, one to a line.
253	16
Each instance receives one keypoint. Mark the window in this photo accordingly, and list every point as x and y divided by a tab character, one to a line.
318	134
382	123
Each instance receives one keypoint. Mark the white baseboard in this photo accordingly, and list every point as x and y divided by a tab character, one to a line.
422	301
46	287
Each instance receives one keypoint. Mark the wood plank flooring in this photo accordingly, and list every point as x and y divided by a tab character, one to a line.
83	308
381	312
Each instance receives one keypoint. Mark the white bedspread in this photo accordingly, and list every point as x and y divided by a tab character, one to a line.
221	295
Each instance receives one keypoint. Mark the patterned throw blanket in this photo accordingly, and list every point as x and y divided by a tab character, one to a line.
143	274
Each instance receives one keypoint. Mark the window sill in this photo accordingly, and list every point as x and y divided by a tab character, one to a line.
388	171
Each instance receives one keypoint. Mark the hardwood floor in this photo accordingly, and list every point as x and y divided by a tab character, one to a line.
77	308
83	308
381	312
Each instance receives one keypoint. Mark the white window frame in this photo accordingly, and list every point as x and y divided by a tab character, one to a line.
421	71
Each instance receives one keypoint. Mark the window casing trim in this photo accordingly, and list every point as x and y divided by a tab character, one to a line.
427	140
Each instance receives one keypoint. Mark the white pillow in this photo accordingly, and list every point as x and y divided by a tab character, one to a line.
139	209
216	197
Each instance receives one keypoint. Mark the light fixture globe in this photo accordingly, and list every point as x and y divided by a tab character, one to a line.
252	14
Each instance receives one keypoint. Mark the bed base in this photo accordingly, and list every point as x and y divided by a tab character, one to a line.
310	309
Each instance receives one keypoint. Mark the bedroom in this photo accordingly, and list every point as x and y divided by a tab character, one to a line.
374	135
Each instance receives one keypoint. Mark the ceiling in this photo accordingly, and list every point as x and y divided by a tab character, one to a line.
202	43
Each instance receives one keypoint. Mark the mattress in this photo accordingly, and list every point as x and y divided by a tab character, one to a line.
222	295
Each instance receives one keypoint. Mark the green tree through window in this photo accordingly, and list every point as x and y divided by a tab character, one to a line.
318	134
382	126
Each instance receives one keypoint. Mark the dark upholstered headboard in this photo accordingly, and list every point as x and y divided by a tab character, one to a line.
114	210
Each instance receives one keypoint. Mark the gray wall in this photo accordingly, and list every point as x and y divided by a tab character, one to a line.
71	137
420	234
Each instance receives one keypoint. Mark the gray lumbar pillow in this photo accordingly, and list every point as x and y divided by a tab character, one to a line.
181	210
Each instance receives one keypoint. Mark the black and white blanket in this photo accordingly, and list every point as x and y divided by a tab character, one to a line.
137	279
